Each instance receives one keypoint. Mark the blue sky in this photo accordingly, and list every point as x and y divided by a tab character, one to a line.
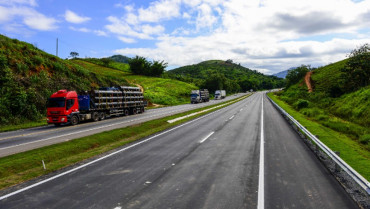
265	35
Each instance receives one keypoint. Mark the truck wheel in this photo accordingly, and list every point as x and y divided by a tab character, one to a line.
102	116
74	120
134	111
127	112
142	109
95	116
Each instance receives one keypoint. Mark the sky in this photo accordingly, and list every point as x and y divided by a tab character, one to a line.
264	35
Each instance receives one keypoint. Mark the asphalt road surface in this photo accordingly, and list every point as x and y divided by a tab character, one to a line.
242	156
28	139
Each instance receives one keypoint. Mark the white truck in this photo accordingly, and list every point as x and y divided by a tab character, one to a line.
220	94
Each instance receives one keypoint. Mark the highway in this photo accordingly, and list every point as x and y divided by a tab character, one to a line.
242	156
27	139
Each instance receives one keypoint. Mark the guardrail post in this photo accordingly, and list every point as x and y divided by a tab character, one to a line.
43	164
337	167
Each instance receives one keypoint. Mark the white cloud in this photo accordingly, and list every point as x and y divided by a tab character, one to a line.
13	12
267	35
160	10
121	27
75	18
29	16
84	30
40	22
126	40
100	33
205	17
19	2
5	15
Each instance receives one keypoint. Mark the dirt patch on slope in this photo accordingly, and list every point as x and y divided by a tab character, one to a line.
308	81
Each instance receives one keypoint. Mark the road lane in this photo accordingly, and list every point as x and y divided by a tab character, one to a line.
294	177
27	139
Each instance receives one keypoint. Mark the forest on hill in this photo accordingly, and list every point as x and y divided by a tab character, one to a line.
218	74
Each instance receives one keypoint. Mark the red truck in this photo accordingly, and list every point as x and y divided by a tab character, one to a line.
68	107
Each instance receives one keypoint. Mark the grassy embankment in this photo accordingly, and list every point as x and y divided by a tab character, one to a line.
156	90
21	167
320	122
28	76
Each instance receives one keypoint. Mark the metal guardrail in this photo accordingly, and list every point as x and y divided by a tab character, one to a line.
360	180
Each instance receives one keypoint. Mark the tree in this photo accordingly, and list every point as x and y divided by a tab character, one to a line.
229	61
140	66
106	61
357	69
74	54
157	68
295	75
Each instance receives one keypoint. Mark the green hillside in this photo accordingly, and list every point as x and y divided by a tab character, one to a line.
156	90
28	76
218	74
332	104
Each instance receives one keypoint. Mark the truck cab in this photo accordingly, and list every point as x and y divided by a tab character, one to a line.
195	96
61	107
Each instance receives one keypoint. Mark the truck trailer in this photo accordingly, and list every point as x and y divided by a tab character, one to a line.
220	94
201	95
68	107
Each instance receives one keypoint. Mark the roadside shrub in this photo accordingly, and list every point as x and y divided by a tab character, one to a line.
322	117
22	68
301	103
58	67
311	112
365	139
38	60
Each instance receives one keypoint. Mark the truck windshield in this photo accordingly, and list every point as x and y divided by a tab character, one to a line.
56	102
194	95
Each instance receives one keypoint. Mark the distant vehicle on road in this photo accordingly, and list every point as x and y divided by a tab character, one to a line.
198	96
220	94
68	107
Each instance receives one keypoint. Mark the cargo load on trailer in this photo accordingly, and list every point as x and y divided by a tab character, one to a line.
68	107
197	96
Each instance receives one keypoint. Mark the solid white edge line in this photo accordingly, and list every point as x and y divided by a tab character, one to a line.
210	134
102	158
261	183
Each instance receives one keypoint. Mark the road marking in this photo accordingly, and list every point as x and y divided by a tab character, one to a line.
261	183
102	158
231	117
203	140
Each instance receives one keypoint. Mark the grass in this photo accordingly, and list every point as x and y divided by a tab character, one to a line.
24	166
23	125
352	152
101	70
163	91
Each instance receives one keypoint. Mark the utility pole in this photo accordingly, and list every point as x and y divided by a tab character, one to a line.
57	48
